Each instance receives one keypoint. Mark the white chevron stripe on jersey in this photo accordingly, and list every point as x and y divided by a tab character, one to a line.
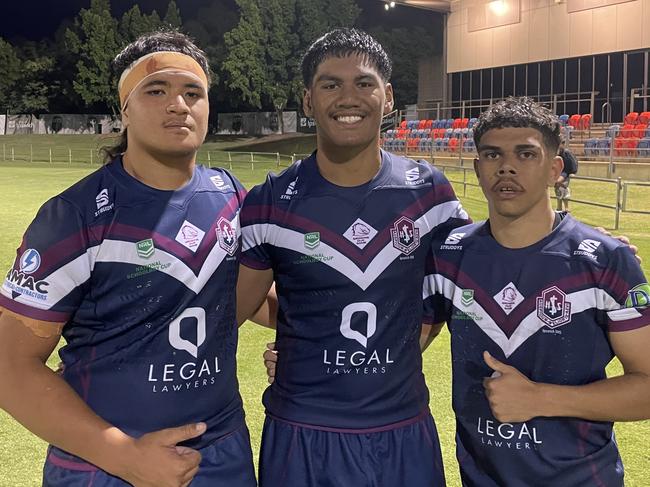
76	272
580	301
292	240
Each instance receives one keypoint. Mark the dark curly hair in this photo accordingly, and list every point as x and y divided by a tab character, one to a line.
162	40
520	112
341	43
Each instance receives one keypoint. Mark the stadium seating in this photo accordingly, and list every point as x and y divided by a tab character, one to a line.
564	118
644	117
631	118
643	148
585	122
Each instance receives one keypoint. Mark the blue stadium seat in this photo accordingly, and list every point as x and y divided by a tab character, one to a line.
643	148
613	130
564	118
603	146
472	122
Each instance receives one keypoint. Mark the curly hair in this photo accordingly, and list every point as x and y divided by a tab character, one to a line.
520	112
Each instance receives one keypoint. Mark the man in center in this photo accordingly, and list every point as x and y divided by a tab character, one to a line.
345	234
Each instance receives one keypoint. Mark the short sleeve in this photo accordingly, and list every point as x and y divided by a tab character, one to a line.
255	224
51	266
625	282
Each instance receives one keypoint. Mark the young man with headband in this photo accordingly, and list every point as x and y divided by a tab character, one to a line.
537	305
136	267
345	234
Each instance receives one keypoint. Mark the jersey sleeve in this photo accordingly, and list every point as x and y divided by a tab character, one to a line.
51	266
255	224
626	284
437	309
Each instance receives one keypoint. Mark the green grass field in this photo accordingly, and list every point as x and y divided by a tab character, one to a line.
24	187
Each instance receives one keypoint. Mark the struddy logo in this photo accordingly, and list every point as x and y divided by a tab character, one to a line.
588	248
638	296
412	177
190	236
360	233
405	235
359	362
508	298
451	243
145	248
227	236
312	240
290	191
553	308
193	373
219	183
30	261
103	202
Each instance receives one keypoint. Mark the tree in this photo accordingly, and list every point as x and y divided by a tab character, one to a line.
173	16
243	67
9	73
313	19
281	46
94	39
36	85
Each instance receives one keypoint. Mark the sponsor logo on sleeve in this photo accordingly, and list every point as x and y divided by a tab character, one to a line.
412	177
20	281
638	296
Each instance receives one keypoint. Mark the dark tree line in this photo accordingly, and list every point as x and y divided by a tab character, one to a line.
254	49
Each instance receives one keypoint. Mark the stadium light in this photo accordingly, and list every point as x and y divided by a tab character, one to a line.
392	4
386	6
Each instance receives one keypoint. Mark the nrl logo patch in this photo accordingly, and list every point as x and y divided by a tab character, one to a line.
467	297
553	308
405	235
312	240
145	248
227	236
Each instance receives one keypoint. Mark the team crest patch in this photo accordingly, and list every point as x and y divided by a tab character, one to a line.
360	233
190	236
227	236
508	298
405	235
312	240
553	308
145	248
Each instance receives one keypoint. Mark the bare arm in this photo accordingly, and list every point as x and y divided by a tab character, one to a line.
44	403
267	314
513	397
253	287
428	334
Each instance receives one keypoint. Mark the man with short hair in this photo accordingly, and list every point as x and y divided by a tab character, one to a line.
345	234
537	305
562	190
135	266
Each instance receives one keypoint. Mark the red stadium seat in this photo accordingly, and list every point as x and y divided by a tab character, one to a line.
456	124
422	124
429	124
644	117
463	123
585	121
631	118
574	120
403	123
639	130
454	144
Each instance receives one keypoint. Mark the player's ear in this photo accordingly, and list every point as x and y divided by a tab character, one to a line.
125	117
306	102
557	165
476	167
390	100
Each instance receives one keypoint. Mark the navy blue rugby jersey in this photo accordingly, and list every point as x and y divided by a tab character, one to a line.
144	281
349	264
547	310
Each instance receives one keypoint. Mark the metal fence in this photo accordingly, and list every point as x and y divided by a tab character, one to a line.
619	204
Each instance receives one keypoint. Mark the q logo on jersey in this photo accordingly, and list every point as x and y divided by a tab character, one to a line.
178	342
638	296
346	322
30	261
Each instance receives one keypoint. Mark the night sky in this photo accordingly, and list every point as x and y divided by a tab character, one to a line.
20	21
